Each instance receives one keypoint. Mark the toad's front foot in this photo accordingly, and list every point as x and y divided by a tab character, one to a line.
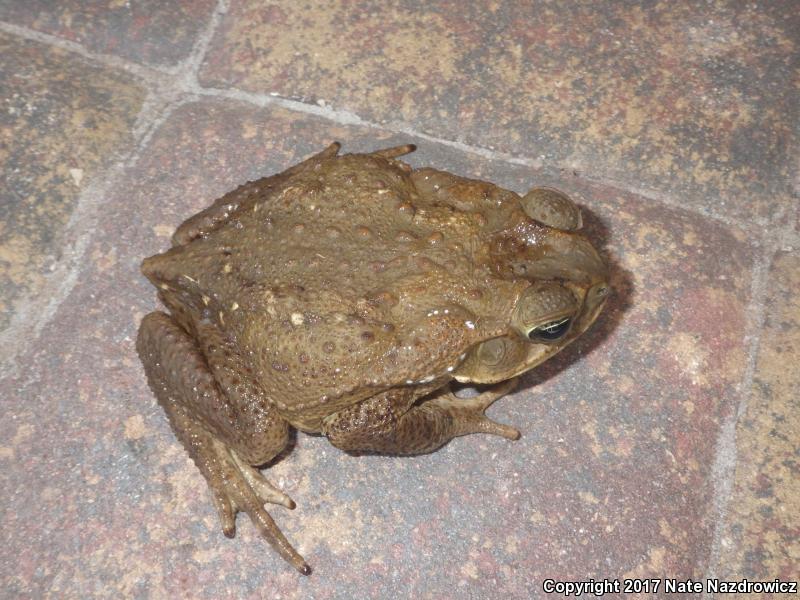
468	413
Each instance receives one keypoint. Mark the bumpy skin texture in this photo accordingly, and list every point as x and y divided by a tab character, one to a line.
343	296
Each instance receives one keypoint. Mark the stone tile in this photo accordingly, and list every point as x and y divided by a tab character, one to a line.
762	539
63	120
146	31
611	476
687	99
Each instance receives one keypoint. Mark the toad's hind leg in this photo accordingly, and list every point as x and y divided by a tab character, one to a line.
181	381
386	424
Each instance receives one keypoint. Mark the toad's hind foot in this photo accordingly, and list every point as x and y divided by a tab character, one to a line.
236	486
468	413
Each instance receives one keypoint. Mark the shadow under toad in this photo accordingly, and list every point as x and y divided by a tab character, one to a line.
619	302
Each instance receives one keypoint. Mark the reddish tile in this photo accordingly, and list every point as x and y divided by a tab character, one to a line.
686	99
762	536
611	477
146	31
63	121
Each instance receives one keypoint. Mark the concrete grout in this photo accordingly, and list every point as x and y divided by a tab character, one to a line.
782	239
145	74
189	68
345	117
723	471
165	93
28	322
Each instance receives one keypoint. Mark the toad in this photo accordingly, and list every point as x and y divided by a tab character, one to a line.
346	296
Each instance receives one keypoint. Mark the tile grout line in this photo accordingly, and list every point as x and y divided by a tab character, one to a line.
26	328
190	67
723	471
142	72
163	96
785	239
187	85
346	117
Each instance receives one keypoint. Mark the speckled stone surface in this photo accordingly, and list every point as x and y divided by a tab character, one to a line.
62	121
672	124
763	528
612	475
146	31
691	99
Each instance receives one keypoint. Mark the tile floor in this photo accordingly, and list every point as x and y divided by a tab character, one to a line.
664	443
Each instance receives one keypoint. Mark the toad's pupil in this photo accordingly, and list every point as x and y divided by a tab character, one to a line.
550	331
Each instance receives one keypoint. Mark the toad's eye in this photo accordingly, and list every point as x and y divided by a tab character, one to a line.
550	332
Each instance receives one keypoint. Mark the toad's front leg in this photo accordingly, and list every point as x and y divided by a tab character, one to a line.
179	376
394	423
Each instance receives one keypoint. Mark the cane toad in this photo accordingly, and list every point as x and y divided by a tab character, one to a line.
343	297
